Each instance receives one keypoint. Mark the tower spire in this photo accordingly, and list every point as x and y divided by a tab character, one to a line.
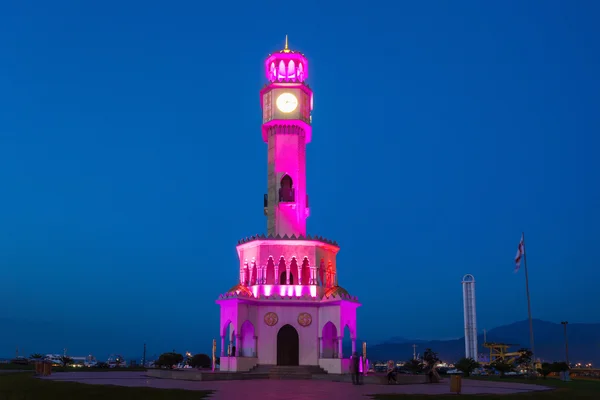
286	49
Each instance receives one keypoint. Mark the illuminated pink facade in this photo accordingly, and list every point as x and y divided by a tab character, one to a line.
287	307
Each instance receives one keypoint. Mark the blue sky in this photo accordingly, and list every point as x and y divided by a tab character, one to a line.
131	162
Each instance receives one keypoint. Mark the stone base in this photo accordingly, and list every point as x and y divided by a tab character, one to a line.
335	365
200	375
203	375
237	364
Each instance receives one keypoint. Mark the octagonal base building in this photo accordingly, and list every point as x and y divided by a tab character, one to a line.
287	308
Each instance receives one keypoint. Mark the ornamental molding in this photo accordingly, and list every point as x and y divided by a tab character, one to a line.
271	319
304	319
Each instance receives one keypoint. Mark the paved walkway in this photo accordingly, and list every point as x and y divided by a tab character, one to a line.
289	390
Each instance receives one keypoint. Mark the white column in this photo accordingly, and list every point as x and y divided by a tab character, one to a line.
276	274
299	280
340	355
321	354
255	346
287	274
237	345
222	346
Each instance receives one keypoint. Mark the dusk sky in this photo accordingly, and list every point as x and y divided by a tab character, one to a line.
131	162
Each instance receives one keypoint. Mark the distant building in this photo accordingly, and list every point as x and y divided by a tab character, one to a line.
470	315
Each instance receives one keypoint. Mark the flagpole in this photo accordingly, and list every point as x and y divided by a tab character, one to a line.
528	304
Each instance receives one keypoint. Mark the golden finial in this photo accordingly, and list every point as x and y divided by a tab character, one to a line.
286	49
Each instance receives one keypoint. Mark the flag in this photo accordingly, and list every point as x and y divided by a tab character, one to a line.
520	253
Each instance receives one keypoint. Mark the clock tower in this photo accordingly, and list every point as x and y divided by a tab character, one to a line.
287	308
286	128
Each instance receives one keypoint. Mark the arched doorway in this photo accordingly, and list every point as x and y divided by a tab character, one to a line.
288	346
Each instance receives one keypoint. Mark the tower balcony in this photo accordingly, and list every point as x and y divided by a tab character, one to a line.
285	196
301	293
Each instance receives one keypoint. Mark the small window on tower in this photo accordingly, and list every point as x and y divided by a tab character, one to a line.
286	191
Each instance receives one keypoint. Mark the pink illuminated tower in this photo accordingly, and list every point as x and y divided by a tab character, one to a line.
287	308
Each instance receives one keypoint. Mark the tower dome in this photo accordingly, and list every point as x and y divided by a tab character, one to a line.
286	66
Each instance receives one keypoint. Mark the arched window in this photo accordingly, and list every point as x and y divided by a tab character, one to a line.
281	73
286	191
291	72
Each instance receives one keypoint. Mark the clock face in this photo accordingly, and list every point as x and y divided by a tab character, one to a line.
286	102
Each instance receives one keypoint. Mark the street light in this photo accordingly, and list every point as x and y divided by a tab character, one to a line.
564	324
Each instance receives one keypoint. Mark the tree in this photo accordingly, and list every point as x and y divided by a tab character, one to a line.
502	366
545	370
37	356
559	367
466	366
168	360
65	361
430	358
200	361
524	360
414	366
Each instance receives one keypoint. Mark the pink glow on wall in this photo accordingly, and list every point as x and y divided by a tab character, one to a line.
288	243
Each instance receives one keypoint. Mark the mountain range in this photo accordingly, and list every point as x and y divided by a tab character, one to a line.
549	341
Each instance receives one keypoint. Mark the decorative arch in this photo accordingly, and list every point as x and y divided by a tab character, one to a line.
293	271
291	71
228	337
304	276
329	339
270	271
330	274
347	339
253	273
248	342
282	72
286	189
322	273
225	328
288	346
245	274
282	267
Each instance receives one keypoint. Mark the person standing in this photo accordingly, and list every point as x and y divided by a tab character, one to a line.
354	367
391	372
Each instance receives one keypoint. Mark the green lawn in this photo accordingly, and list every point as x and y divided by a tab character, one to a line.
575	390
23	386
